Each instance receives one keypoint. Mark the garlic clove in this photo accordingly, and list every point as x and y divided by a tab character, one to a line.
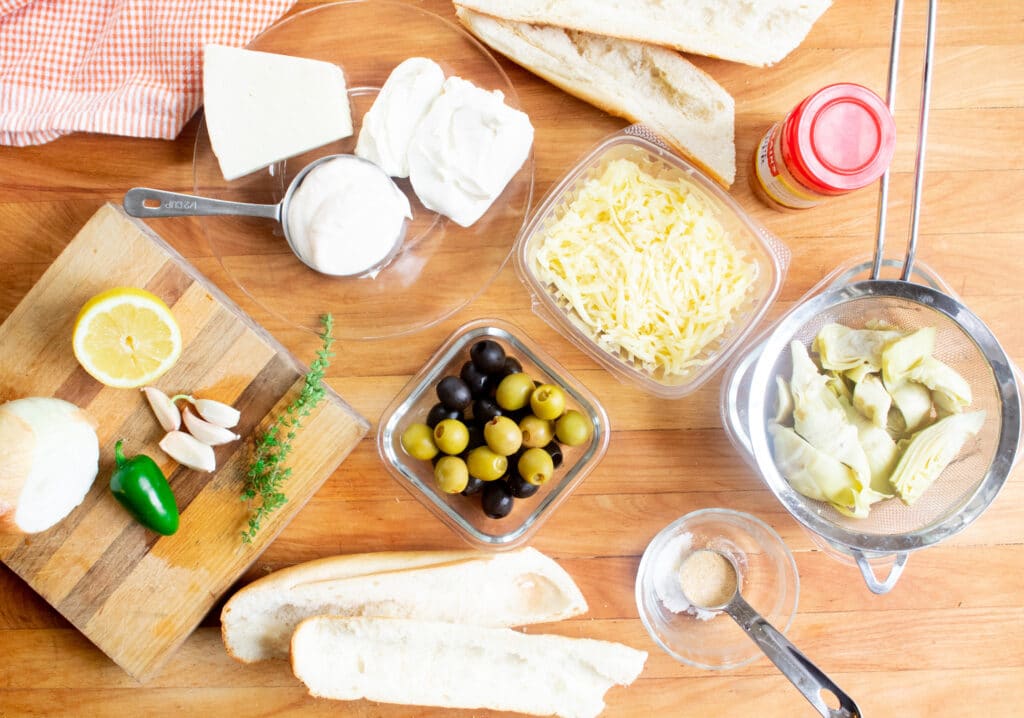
188	451
163	408
215	412
209	434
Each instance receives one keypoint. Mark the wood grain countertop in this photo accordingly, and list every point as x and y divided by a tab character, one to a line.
949	640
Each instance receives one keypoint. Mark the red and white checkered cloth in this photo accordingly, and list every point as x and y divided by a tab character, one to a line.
122	67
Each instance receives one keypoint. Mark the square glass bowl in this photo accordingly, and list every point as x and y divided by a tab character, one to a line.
770	255
463	514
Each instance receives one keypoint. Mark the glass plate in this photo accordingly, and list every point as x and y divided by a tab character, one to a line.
441	266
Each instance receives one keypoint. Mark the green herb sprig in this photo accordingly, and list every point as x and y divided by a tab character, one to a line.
267	470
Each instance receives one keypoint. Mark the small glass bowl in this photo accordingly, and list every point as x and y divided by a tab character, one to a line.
768	581
463	514
771	256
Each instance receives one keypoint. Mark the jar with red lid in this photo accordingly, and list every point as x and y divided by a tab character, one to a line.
838	140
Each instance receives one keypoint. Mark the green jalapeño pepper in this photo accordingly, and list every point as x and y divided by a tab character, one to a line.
141	487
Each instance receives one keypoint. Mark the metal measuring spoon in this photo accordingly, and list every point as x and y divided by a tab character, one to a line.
146	202
799	669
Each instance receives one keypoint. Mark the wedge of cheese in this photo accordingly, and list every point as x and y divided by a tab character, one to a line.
262	108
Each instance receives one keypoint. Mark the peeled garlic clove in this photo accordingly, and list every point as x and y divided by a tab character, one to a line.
209	434
163	408
188	451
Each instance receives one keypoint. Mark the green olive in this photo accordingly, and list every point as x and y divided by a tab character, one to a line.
452	474
548	401
536	466
536	432
503	436
514	391
573	428
485	465
451	436
418	442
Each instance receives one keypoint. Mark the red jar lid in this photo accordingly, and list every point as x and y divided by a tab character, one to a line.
839	139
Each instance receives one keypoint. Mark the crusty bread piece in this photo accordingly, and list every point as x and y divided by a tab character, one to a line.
452	666
641	82
514	588
756	33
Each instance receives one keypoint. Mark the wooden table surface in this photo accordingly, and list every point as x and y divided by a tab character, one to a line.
949	640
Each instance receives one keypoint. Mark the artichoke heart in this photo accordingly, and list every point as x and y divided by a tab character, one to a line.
950	391
930	451
880	449
819	418
841	348
817	475
872	400
783	401
914	403
902	355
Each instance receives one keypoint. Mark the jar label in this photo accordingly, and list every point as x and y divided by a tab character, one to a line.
779	185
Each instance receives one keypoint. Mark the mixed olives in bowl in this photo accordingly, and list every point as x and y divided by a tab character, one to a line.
492	434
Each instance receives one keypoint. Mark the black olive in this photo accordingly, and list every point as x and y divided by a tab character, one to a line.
497	499
512	366
454	393
488	356
473	486
486	409
556	453
476	435
520	487
438	413
479	383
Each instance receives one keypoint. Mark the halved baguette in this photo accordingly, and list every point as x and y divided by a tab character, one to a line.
515	588
643	83
758	33
453	666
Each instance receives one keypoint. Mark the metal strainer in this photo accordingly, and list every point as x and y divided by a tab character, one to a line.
971	482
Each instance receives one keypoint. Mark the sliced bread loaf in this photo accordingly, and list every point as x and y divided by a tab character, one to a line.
641	82
755	33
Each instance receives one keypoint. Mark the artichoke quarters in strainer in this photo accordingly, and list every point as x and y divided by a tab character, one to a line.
967	485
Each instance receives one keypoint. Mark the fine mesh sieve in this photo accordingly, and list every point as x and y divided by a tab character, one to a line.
963	341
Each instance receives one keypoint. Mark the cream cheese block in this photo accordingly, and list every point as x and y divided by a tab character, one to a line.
262	108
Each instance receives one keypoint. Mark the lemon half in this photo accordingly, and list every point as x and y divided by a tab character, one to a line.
126	337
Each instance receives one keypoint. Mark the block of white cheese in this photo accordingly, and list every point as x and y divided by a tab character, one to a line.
262	108
466	149
389	124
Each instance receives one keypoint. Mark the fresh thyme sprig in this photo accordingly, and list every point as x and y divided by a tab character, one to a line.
267	470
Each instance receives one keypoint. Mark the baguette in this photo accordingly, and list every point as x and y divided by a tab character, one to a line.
643	83
507	589
755	33
453	666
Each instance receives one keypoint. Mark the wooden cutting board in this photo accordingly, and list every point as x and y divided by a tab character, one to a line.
135	594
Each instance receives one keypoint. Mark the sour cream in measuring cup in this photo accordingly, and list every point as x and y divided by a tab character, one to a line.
346	217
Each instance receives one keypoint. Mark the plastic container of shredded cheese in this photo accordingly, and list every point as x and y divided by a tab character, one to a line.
648	266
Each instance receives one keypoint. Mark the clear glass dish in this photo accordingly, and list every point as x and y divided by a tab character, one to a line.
463	513
768	581
441	266
771	256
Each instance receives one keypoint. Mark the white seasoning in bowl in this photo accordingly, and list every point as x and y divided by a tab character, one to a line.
666	577
707	578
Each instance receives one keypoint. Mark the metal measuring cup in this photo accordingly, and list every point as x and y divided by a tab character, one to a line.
146	202
807	677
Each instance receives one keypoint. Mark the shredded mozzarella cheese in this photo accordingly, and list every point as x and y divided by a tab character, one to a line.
646	269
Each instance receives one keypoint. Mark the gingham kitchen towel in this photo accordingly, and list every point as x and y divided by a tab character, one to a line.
122	67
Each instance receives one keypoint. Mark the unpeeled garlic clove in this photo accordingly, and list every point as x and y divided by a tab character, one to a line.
188	451
215	412
209	434
163	408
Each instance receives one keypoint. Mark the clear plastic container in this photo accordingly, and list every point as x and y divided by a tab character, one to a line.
771	256
463	514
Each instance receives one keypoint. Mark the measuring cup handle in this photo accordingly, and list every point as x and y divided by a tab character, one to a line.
807	677
147	202
886	585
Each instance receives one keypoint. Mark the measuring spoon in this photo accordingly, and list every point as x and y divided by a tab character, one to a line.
807	677
146	202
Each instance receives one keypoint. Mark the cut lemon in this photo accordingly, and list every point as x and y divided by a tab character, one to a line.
126	337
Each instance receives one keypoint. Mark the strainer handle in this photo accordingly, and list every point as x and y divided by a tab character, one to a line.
885	585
